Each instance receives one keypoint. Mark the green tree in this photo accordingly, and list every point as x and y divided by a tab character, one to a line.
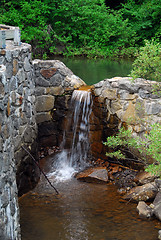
82	27
144	18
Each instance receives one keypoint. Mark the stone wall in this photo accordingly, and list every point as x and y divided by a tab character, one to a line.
17	127
54	85
123	102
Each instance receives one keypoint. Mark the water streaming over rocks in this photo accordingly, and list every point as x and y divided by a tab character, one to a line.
75	145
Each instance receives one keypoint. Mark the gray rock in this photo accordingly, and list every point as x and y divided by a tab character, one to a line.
21	75
157	199
9	56
40	81
129	86
144	210
2	59
44	103
158	183
144	93
56	80
13	83
157	211
27	65
43	117
40	91
124	94
99	84
16	53
153	108
9	70
97	91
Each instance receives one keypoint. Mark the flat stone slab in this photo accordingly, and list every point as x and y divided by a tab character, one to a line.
96	175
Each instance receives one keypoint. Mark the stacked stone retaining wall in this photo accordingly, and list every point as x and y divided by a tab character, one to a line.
54	85
126	102
17	127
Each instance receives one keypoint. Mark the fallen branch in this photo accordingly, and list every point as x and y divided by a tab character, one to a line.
40	169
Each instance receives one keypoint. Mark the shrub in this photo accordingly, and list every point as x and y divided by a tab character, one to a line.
123	144
148	62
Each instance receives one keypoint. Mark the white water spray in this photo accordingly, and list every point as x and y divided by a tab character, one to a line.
75	145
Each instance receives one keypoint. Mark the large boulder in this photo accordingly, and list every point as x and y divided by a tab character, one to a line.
97	175
145	193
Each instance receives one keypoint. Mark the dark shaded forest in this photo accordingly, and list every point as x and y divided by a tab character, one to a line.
92	28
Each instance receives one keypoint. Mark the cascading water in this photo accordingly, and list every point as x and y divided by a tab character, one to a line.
75	145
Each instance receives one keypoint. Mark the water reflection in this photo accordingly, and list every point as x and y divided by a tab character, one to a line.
93	71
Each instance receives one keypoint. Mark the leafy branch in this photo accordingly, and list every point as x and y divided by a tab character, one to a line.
123	145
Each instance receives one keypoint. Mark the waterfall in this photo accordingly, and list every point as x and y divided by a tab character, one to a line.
75	145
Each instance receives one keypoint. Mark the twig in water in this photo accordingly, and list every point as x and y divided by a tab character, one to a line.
40	169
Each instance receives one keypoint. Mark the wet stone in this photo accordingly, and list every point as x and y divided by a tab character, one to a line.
43	117
98	174
145	193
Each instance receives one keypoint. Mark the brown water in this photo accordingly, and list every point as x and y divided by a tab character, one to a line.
83	211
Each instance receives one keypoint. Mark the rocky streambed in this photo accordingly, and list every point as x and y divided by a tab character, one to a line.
135	186
85	210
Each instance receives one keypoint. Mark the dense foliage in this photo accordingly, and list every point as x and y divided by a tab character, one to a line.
147	65
123	145
84	27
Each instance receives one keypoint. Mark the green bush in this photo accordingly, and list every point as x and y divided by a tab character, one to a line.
148	62
124	145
